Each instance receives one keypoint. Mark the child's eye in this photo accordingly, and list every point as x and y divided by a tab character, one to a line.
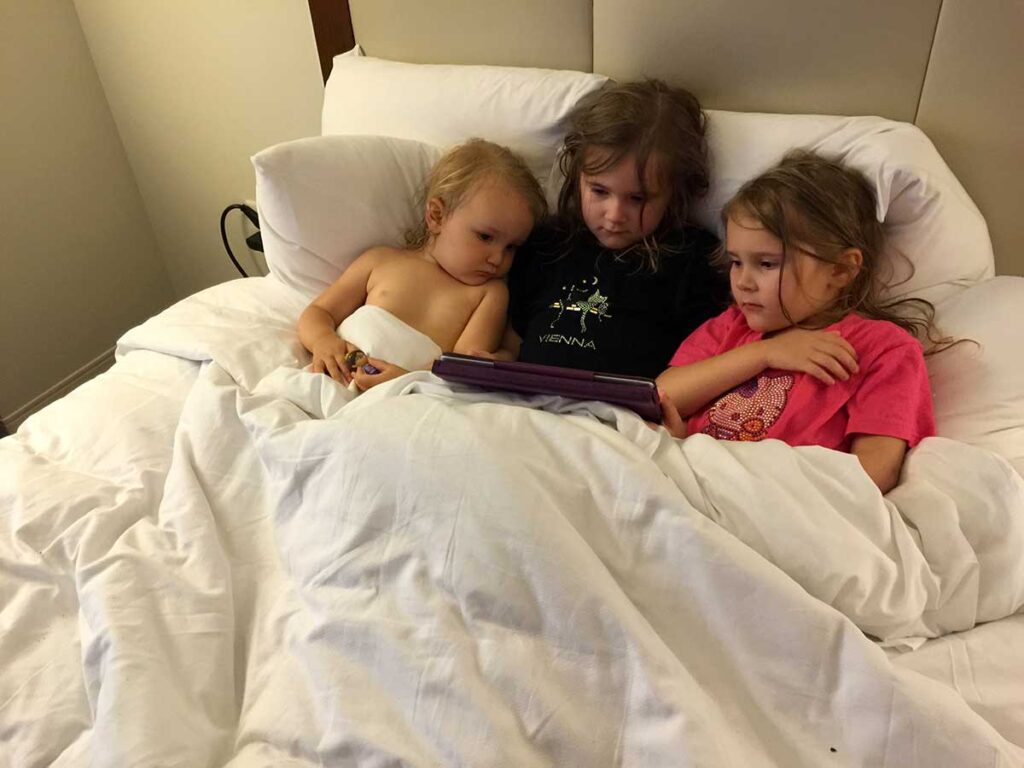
599	191
485	237
769	264
640	199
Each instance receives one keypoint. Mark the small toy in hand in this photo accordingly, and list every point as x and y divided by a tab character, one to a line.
356	358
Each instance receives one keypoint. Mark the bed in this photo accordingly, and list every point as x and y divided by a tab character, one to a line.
205	563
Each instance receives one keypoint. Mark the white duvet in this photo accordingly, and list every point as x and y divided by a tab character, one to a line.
438	577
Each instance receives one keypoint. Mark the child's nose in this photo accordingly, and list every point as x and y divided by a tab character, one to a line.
615	211
744	279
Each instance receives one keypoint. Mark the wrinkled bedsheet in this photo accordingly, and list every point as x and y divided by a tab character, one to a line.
222	575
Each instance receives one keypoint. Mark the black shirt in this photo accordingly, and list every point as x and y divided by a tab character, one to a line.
577	304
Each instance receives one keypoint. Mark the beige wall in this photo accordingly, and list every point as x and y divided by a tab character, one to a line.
78	260
972	107
196	87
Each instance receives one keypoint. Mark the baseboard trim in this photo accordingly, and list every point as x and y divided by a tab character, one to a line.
92	368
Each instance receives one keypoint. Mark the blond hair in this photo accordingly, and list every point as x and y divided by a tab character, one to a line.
642	118
821	207
462	169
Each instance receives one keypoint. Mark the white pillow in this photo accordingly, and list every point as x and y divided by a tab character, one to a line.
324	200
928	216
445	104
979	398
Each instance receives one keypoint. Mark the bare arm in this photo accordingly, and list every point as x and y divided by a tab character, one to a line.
692	386
882	458
487	323
319	321
670	418
507	350
825	355
510	344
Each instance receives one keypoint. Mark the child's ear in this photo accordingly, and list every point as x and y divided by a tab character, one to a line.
847	266
434	215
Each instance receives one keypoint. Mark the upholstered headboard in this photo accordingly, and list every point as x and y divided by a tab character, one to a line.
953	67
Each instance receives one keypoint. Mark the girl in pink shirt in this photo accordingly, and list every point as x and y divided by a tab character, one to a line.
808	353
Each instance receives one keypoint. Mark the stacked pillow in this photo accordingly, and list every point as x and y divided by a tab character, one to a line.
445	104
928	216
324	200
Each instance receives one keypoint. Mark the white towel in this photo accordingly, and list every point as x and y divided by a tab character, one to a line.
381	335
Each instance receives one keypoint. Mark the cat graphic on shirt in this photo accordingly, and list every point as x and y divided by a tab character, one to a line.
748	411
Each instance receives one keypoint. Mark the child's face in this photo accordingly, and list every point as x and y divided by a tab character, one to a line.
615	207
476	242
809	285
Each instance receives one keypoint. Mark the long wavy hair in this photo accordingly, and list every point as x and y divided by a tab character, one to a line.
643	118
822	208
454	177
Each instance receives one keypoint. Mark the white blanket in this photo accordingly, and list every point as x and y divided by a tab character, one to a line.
448	577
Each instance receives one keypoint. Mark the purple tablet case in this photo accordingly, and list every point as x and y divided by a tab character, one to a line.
633	392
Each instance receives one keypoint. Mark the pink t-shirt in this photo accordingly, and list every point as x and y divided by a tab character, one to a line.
889	396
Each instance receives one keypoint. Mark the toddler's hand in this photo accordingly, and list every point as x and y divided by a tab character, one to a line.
825	355
329	357
385	372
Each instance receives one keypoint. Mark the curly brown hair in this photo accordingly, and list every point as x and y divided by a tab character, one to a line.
821	207
463	168
640	118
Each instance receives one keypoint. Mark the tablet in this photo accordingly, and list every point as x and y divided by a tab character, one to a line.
633	392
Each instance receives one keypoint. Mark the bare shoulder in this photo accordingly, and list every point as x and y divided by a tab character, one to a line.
380	254
380	262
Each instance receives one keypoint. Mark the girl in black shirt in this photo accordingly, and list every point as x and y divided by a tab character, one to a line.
619	277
